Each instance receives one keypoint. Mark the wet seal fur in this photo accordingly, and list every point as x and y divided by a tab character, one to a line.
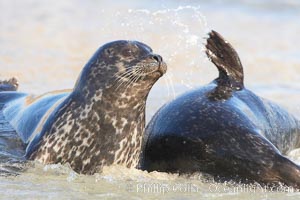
223	129
100	122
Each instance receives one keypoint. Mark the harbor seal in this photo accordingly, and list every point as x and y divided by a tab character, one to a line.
100	122
223	129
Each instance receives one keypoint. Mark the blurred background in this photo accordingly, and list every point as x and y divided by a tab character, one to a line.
46	43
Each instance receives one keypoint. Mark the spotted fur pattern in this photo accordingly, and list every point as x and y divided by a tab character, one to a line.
102	121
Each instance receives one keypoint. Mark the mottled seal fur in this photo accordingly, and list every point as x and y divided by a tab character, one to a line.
223	129
101	121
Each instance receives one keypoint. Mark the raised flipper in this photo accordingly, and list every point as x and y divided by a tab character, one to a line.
223	55
9	85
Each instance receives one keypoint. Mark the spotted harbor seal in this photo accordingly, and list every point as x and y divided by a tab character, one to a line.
100	122
223	129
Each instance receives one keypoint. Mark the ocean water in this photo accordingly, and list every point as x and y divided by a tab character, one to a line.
46	43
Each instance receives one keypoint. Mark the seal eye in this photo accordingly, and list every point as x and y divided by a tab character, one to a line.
127	52
108	51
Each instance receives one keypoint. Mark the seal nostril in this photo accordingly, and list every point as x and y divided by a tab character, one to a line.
158	58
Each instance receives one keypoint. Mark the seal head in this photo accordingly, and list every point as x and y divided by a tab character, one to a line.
120	62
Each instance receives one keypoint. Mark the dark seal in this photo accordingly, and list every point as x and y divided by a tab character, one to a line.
223	129
100	122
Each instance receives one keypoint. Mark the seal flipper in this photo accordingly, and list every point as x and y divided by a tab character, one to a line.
9	85
223	55
288	171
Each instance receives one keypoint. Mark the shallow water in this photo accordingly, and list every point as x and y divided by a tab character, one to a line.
46	43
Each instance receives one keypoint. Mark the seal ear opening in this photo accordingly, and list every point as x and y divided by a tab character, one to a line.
226	59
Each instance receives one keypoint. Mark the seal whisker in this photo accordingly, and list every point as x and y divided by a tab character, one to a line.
123	74
168	86
136	78
125	80
148	73
171	84
130	82
121	83
121	78
128	76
